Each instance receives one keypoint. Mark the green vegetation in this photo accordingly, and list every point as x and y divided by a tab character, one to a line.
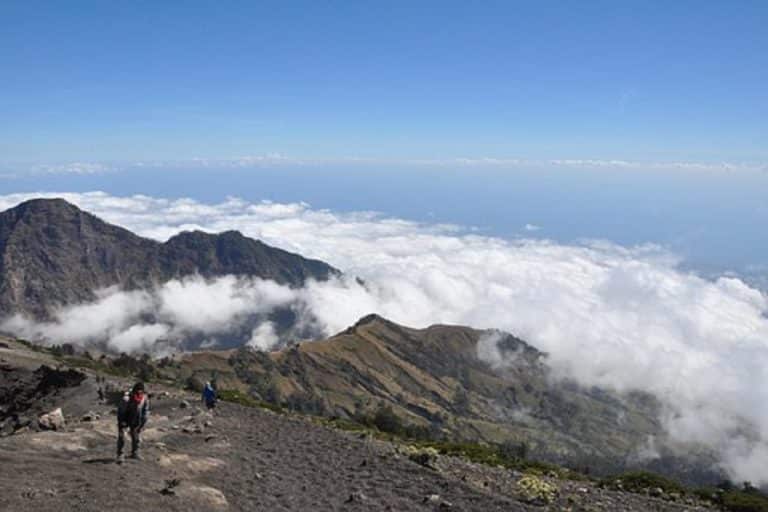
385	424
740	501
385	420
642	481
240	398
536	491
734	499
500	455
726	495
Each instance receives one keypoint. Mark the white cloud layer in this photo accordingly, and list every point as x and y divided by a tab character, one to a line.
613	316
277	160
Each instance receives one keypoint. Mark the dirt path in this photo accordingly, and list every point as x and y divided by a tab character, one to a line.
239	459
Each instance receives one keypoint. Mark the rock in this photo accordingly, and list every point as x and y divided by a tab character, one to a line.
432	498
656	492
170	485
90	416
357	497
183	404
54	420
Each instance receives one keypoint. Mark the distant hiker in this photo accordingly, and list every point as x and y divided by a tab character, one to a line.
132	415
209	396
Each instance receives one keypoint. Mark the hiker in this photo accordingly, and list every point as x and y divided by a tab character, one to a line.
209	396
132	415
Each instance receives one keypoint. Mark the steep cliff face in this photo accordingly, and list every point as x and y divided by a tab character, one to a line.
54	254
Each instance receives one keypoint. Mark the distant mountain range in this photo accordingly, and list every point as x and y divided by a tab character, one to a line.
53	254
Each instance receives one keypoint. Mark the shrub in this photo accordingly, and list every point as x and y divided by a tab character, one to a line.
194	383
423	456
740	501
387	421
535	490
512	450
304	403
238	397
641	481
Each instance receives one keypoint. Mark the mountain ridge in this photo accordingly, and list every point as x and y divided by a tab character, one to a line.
434	381
54	254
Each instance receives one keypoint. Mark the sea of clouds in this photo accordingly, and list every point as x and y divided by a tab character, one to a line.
620	317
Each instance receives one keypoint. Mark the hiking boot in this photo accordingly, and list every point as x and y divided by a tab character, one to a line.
136	456
120	459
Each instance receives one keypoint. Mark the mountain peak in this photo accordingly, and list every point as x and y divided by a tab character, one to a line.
199	233
53	205
371	318
54	254
46	202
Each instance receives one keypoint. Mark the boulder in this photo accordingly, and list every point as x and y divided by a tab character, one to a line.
90	416
54	420
357	497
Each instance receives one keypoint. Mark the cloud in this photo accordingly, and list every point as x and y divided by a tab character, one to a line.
72	168
278	160
263	337
531	227
620	317
172	315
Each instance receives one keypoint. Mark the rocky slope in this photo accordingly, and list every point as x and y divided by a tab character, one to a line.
241	458
433	380
54	254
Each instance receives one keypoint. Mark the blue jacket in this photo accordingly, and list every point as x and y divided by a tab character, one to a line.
209	395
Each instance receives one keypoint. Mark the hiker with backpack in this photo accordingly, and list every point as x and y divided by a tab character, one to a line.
209	396
132	415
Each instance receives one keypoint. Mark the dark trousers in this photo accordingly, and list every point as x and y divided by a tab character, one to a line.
135	438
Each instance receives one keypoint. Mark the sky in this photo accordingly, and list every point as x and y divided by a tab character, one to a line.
634	122
172	80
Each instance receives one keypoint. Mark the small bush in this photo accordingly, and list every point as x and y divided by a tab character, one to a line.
536	491
194	383
642	481
512	450
740	501
238	397
423	456
387	421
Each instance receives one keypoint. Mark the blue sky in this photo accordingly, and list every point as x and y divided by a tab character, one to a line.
648	84
173	80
